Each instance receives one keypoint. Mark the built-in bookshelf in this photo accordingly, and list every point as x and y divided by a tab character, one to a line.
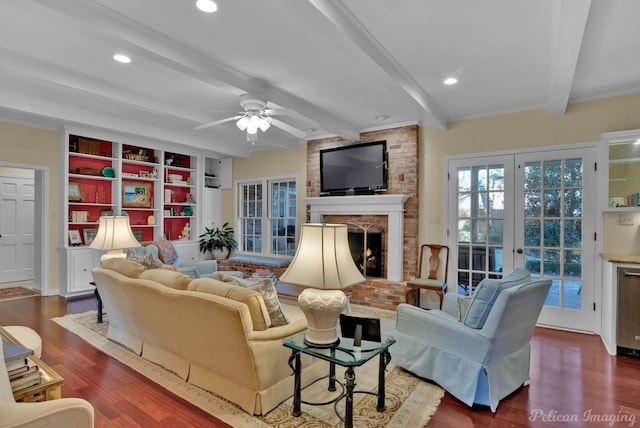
158	189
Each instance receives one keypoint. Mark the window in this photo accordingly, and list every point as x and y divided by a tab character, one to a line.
267	220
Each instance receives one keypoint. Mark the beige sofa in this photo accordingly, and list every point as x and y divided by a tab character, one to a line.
222	344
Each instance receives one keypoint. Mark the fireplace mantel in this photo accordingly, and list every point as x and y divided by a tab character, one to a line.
390	205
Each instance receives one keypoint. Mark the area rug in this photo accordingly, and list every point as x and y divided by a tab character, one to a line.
410	401
9	293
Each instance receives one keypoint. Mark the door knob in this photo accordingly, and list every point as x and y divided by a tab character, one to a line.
519	251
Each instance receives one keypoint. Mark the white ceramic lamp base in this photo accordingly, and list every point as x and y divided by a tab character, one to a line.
322	309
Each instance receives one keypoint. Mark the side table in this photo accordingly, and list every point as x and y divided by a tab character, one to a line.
50	388
346	355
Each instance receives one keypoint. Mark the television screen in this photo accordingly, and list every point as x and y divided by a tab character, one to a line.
357	167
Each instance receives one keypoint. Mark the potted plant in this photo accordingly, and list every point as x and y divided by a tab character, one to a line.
218	241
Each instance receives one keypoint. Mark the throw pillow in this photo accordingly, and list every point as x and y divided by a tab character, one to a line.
166	251
253	299
220	276
463	306
270	297
169	278
487	293
123	266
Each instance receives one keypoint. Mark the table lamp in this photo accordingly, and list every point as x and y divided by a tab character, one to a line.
324	264
114	235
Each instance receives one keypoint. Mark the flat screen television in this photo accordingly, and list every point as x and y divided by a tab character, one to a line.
355	169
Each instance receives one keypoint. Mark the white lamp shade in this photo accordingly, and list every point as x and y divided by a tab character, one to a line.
114	233
323	259
242	123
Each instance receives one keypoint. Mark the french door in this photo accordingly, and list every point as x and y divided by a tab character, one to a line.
528	210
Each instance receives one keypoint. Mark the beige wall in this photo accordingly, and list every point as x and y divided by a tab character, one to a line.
26	145
268	163
583	122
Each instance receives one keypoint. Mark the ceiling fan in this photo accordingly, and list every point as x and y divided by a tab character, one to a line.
256	116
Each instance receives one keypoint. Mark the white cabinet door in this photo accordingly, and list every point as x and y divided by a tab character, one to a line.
212	208
79	263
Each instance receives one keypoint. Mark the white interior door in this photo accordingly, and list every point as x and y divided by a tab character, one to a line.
16	228
530	211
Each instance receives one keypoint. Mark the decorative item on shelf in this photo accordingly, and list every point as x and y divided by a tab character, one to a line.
89	147
188	197
79	216
89	235
186	232
153	173
322	262
129	175
114	234
144	174
75	191
169	161
108	172
187	212
88	171
168	195
138	235
74	238
151	220
136	195
104	213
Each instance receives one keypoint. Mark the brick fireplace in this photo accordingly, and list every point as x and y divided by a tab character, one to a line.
399	225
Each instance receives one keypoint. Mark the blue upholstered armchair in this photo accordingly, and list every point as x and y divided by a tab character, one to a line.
479	353
166	252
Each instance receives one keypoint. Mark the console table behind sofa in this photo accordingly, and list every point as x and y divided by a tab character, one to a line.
248	265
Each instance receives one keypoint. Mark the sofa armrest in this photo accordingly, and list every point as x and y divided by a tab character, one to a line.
280	332
67	412
450	303
443	331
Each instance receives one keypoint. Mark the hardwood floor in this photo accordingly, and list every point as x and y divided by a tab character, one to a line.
572	377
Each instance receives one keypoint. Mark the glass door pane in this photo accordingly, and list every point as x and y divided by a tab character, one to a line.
480	225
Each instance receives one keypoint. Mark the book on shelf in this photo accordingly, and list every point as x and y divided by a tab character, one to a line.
26	381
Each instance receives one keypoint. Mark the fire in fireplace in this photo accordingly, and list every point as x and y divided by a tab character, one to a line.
368	257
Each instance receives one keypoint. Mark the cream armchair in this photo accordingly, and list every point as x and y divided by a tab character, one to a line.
65	412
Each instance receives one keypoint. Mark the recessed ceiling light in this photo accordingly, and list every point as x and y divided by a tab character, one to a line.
208	6
382	117
450	81
122	58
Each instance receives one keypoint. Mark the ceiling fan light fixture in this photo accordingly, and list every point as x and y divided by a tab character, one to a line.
252	129
254	120
252	138
265	123
207	6
242	123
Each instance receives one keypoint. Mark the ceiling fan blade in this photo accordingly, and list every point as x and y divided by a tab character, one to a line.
217	122
288	128
281	112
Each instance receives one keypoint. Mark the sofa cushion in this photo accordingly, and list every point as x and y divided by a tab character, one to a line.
166	251
267	288
169	278
125	267
487	293
253	299
149	260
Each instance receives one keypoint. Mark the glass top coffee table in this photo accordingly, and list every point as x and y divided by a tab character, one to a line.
346	355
